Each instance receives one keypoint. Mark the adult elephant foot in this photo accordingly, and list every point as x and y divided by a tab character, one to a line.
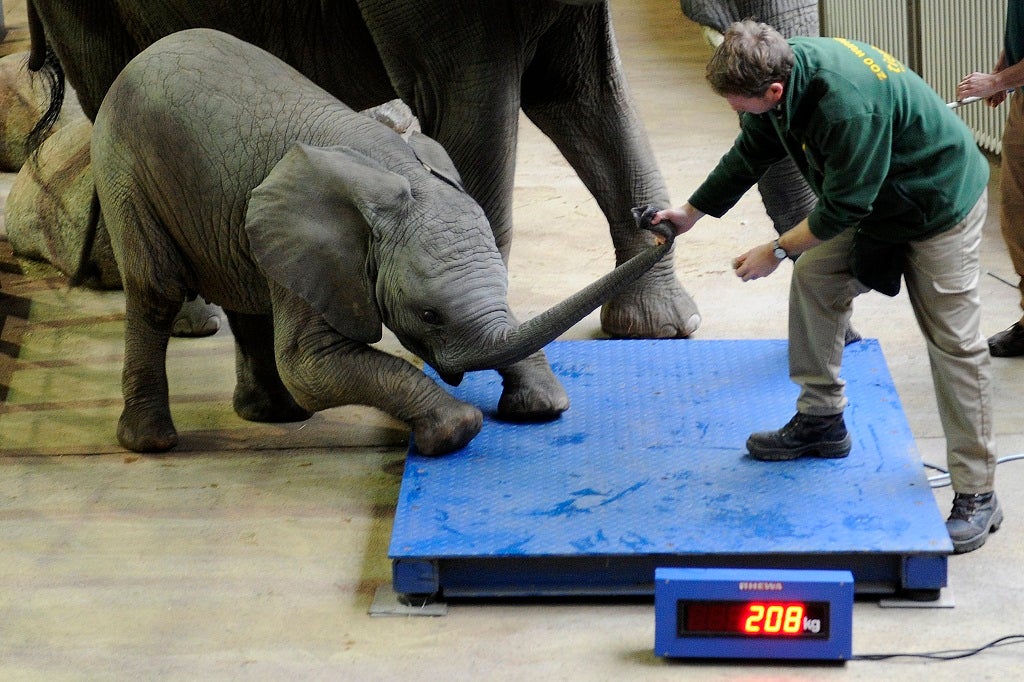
196	318
656	307
447	427
255	404
531	392
146	430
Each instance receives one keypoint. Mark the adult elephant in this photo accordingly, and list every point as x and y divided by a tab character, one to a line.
787	197
466	68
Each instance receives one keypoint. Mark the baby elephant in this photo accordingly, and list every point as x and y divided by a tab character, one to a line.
222	171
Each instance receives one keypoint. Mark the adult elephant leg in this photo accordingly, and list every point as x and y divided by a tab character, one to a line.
788	17
787	197
145	424
260	396
322	369
91	43
481	141
576	94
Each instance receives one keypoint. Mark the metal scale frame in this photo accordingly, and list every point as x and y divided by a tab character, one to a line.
649	469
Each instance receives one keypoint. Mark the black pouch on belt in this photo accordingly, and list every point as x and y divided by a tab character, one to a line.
878	264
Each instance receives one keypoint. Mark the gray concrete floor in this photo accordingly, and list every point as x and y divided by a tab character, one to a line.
254	552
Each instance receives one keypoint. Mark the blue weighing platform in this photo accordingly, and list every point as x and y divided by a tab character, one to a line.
649	469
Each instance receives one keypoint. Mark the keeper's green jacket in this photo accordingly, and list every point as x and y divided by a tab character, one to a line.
878	146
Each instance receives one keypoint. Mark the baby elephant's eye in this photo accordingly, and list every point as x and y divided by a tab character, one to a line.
430	316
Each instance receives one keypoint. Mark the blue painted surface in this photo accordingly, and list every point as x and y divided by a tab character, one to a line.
650	461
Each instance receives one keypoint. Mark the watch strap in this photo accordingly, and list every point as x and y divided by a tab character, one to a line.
779	252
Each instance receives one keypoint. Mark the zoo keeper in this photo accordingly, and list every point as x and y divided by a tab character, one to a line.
902	191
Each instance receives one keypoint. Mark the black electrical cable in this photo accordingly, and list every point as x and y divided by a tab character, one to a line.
948	655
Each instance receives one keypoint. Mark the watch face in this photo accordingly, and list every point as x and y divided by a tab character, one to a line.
780	253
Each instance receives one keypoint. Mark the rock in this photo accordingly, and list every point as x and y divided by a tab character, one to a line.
47	211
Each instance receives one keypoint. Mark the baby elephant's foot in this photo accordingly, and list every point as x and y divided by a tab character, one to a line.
146	430
447	428
255	405
196	318
532	395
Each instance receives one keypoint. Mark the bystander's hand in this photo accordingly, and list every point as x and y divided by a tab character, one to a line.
977	84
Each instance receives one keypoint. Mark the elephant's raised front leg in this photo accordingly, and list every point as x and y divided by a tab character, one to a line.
145	424
322	369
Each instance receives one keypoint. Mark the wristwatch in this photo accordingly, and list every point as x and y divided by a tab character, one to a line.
779	252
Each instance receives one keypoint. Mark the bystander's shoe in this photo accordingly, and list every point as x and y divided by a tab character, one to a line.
1008	343
972	519
804	436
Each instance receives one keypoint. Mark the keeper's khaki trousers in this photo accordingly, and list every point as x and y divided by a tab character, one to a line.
941	277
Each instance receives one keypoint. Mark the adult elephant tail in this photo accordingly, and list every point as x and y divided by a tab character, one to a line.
43	60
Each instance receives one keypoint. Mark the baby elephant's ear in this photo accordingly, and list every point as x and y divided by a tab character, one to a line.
308	232
432	155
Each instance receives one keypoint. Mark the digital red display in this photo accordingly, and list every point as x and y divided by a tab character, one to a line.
783	619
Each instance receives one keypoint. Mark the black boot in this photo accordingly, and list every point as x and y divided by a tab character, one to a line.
1008	343
804	435
971	520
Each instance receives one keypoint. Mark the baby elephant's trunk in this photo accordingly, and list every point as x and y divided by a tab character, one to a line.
534	334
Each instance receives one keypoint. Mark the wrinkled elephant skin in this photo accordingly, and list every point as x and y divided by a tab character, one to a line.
466	76
223	171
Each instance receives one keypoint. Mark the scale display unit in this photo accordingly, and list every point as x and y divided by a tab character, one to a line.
648	469
753	613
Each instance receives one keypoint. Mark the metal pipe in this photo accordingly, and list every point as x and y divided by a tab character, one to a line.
960	102
970	100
